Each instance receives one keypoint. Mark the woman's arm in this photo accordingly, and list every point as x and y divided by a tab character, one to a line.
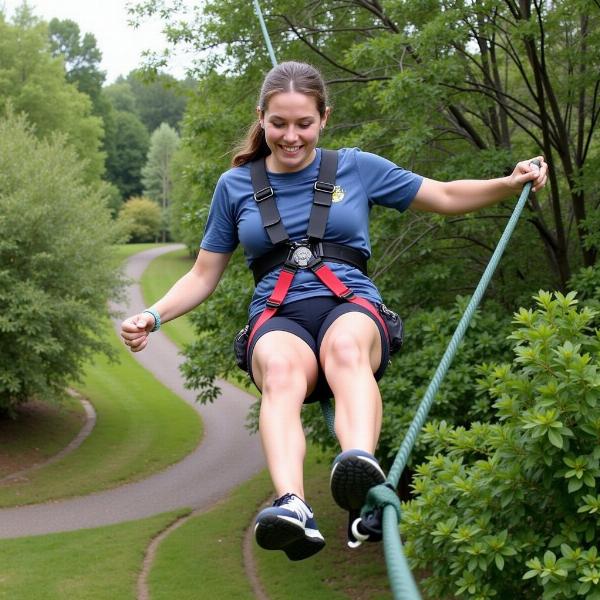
187	293
463	196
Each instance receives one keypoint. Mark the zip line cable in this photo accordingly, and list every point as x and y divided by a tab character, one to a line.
384	497
265	33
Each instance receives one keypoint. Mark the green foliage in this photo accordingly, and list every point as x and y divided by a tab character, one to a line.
56	266
34	82
81	56
160	99
155	100
510	509
141	219
127	143
209	134
157	172
447	89
587	283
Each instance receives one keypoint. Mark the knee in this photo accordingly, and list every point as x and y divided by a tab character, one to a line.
278	372
345	352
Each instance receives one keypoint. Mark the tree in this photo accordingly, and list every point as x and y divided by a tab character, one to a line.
156	173
120	95
500	79
397	73
141	219
127	147
33	82
81	56
57	268
160	99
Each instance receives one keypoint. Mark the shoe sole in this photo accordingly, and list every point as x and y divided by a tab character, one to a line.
274	533
351	479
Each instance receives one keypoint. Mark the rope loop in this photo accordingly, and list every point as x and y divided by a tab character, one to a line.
380	496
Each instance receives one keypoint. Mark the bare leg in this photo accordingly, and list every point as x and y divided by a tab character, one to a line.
350	353
285	369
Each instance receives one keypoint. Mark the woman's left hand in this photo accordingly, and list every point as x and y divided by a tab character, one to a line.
526	171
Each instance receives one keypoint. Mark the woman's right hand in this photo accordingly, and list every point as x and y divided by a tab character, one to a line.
135	331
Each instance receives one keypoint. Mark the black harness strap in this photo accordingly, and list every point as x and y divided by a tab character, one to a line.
323	197
326	250
265	198
324	187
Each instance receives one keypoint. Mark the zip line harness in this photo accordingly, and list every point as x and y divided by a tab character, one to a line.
308	253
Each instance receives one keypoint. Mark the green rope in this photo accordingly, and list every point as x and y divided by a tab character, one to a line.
401	579
265	33
329	415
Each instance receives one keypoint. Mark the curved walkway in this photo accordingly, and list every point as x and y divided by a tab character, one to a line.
227	456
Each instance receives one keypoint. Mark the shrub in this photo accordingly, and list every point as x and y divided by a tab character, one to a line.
510	509
56	265
141	218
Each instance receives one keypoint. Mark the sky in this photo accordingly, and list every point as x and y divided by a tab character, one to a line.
120	44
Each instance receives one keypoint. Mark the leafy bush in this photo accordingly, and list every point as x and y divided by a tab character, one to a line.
141	218
56	265
510	509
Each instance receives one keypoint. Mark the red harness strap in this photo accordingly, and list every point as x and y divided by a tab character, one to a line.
330	279
327	277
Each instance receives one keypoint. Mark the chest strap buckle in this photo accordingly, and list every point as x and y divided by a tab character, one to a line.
301	255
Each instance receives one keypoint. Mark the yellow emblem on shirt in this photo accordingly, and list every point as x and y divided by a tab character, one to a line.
338	194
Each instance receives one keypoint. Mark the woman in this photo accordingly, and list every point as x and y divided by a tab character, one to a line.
314	343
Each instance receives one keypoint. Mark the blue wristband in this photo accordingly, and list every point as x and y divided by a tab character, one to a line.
156	319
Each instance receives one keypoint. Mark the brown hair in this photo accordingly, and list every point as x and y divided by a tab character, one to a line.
286	77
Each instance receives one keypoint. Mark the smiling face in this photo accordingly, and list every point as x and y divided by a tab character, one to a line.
292	124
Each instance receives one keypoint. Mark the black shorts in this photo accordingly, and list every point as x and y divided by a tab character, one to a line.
309	320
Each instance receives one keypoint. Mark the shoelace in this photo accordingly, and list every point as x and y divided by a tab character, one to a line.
293	503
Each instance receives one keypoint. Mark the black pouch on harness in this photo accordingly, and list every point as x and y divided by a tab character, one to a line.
394	326
240	348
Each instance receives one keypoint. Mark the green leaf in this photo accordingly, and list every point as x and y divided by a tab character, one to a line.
574	485
530	574
555	438
499	560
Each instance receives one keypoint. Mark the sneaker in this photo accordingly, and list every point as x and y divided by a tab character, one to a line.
289	525
353	474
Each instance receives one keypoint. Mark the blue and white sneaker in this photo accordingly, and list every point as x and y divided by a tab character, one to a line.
289	525
353	474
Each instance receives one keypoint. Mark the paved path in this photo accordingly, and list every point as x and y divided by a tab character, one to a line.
227	456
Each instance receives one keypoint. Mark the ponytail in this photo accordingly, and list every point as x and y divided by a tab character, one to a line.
253	146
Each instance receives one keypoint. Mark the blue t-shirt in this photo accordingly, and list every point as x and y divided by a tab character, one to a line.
363	178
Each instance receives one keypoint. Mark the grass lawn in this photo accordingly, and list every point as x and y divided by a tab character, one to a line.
206	553
39	431
123	251
90	564
201	559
